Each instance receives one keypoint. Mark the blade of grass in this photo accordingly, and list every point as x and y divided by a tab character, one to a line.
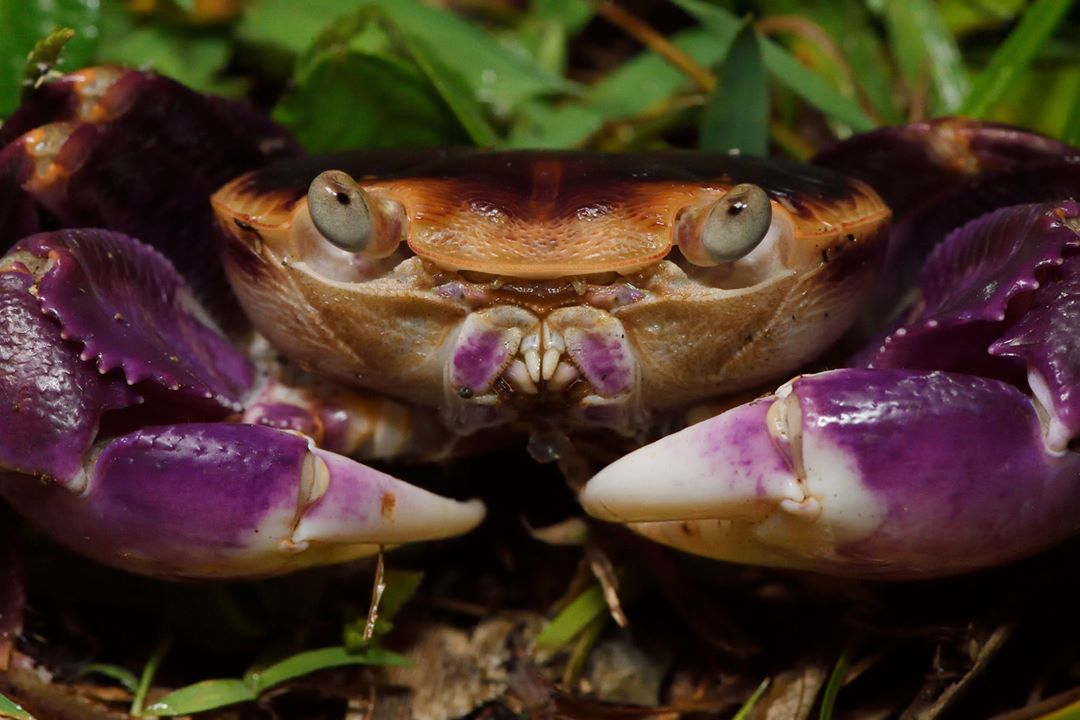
787	70
636	88
1008	62
848	26
736	115
585	608
454	93
1070	133
121	675
321	659
657	42
922	44
146	679
221	692
836	680
11	709
748	706
580	654
1072	712
202	696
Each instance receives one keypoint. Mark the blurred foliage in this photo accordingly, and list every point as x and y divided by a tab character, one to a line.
749	74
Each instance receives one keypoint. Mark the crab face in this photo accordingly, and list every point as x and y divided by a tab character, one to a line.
596	290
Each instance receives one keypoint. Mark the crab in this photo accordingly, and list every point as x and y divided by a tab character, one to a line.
175	415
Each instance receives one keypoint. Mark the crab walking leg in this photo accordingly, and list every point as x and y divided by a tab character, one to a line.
880	473
207	500
347	421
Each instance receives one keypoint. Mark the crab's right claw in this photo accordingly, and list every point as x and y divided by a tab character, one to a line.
880	473
206	500
98	331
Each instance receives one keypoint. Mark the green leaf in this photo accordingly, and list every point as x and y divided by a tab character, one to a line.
202	696
493	74
636	87
348	99
737	112
964	16
869	74
573	14
321	659
401	585
585	608
832	687
1070	133
193	56
786	69
127	679
648	80
11	709
813	88
1014	55
455	94
24	22
543	125
924	48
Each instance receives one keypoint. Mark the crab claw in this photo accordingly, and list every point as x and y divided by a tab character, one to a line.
205	500
876	473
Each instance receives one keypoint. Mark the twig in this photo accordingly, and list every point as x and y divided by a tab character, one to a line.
650	38
376	595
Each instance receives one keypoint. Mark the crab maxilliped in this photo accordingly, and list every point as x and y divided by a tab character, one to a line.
191	377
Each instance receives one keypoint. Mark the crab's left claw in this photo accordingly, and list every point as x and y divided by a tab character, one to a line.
883	473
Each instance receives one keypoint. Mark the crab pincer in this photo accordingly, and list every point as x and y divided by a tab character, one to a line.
908	467
97	331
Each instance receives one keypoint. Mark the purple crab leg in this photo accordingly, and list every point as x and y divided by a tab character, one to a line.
876	473
206	500
75	155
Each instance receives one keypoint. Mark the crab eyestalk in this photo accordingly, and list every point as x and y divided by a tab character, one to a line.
350	218
726	230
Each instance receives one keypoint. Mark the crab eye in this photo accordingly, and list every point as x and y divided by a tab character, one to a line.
341	211
728	229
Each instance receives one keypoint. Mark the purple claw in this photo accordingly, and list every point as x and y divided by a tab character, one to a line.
1047	341
938	175
969	283
130	310
232	500
1001	297
50	401
884	473
93	133
910	164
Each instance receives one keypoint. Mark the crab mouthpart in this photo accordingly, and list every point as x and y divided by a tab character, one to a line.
575	359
